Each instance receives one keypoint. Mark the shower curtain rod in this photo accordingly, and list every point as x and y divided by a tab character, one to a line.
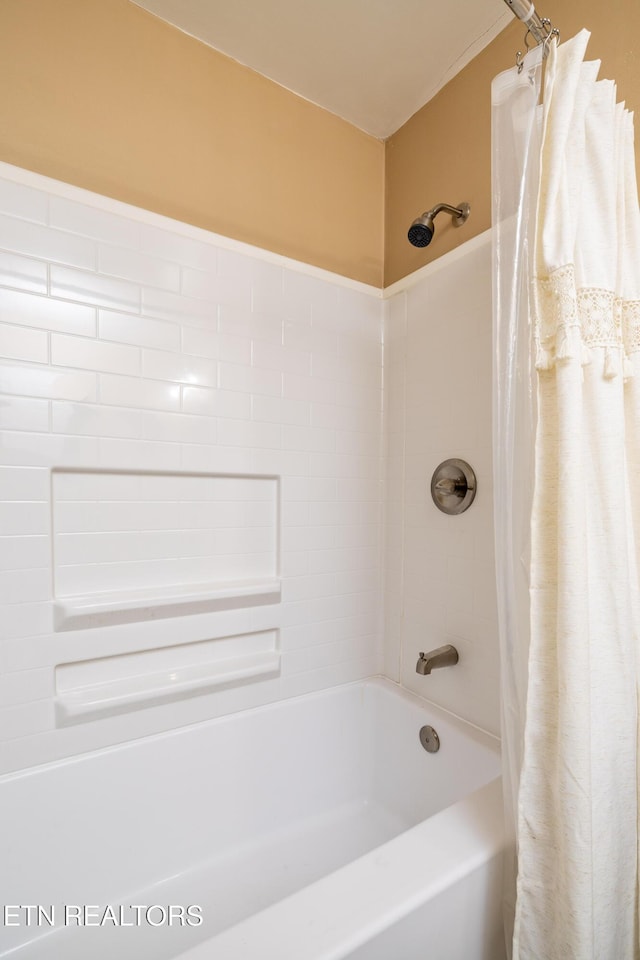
539	27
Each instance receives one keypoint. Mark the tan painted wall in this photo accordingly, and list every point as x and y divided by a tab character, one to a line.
103	95
443	153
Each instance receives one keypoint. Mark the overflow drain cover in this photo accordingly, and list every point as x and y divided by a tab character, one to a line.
429	739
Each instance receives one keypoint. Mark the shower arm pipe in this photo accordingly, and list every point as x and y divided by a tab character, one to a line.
439	207
525	11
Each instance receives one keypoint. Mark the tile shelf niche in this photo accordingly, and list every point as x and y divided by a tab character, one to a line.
134	606
107	686
133	546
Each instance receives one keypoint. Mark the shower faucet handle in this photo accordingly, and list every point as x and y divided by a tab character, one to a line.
456	487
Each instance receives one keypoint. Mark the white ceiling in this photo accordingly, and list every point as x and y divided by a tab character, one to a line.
373	62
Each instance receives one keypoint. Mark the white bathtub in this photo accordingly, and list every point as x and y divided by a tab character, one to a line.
313	829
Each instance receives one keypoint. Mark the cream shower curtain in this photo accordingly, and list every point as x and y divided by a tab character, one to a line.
577	812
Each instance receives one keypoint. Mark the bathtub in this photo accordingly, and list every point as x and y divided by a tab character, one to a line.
317	828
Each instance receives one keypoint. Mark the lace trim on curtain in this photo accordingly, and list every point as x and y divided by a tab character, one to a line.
569	320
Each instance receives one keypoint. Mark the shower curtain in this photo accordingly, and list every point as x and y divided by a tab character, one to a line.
577	802
515	138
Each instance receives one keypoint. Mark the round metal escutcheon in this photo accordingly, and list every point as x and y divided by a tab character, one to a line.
429	739
453	486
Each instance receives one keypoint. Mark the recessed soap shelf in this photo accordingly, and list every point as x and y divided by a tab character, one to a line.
110	685
134	606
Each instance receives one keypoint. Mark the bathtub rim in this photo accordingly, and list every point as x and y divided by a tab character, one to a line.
488	739
391	881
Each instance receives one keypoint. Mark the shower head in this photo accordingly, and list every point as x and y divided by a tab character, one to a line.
422	229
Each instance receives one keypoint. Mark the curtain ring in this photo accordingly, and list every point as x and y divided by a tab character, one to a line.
554	34
551	33
520	56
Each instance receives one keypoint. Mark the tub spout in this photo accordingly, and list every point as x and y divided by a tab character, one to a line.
445	656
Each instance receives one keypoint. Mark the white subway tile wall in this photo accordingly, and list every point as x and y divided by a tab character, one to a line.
128	346
127	531
439	569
